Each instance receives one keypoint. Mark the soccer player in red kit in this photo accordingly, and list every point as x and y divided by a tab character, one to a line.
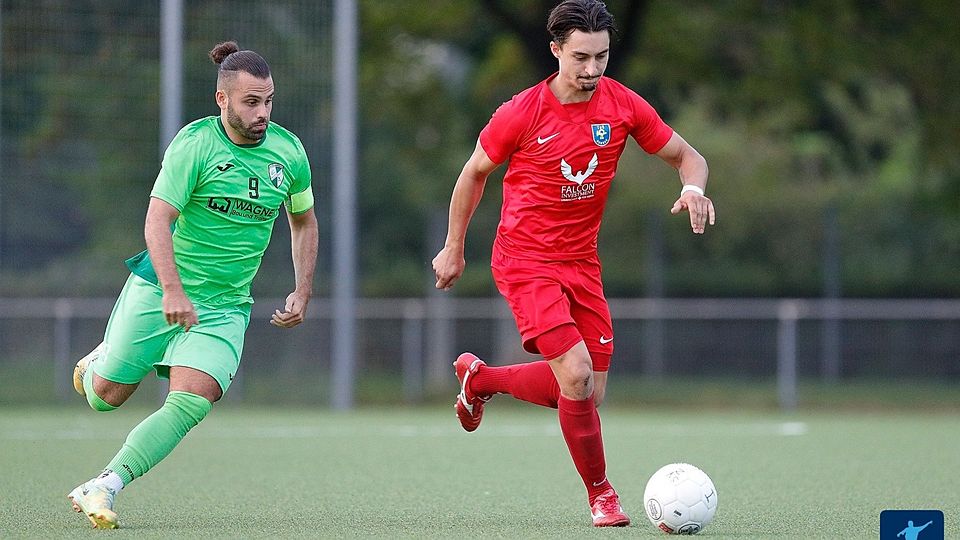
563	138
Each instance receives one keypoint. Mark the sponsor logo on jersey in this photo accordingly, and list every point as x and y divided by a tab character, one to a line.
579	176
582	189
276	174
224	167
601	133
241	208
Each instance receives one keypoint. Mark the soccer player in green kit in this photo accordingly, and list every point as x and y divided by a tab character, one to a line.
186	305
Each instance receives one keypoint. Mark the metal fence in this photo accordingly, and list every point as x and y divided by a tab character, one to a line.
82	87
413	340
91	95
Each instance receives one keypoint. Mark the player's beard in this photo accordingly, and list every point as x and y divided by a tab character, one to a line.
245	130
587	85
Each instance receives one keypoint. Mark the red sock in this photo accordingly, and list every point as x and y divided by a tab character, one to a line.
533	382
580	425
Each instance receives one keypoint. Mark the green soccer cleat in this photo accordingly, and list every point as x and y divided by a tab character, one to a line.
97	503
81	368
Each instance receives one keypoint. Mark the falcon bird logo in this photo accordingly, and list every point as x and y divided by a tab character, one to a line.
579	176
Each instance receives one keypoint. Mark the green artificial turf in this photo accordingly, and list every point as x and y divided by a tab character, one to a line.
413	473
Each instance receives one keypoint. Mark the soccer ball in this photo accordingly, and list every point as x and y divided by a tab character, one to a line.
680	499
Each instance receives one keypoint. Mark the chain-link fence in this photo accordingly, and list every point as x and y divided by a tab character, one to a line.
79	124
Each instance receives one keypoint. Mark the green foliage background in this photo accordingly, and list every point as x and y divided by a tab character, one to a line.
802	109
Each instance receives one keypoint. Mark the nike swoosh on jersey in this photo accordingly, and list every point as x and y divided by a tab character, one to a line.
604	340
541	140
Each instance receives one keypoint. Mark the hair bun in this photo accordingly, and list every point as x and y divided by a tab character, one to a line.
223	50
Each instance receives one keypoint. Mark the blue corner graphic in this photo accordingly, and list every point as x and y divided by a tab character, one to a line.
911	525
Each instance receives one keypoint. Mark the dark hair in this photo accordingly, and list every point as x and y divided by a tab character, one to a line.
230	58
584	15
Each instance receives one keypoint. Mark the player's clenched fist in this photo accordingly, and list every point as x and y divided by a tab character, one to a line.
448	266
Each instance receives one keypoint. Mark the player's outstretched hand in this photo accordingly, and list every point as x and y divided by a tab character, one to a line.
293	312
448	266
700	208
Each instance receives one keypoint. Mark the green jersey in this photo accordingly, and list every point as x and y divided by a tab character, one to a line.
228	196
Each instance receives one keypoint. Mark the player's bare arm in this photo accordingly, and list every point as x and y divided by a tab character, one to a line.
449	263
693	172
177	308
303	245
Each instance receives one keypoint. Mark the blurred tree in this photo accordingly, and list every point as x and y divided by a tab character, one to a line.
86	92
527	21
798	106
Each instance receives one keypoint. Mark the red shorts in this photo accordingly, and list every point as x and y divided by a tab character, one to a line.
546	296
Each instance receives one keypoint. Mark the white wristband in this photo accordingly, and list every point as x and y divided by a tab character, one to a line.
690	187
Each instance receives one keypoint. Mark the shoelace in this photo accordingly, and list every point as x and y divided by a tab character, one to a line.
609	504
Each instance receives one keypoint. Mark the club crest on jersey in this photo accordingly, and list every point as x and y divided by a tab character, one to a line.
276	174
601	133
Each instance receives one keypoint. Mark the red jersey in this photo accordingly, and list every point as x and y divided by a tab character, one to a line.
562	161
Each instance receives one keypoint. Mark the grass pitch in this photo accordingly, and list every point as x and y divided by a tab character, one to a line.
412	473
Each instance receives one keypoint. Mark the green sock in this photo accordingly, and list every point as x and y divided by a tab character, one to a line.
158	434
92	398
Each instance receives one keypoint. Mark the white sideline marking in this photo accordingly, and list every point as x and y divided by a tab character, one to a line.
692	429
784	429
793	428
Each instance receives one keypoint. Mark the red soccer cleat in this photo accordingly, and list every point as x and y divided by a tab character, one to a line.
469	407
607	512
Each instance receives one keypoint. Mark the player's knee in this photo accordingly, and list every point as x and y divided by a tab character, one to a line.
575	377
195	382
581	374
577	366
106	395
98	404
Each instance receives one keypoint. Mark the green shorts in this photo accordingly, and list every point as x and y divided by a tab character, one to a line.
138	338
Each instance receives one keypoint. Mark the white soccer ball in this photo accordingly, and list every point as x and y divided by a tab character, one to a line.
680	499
